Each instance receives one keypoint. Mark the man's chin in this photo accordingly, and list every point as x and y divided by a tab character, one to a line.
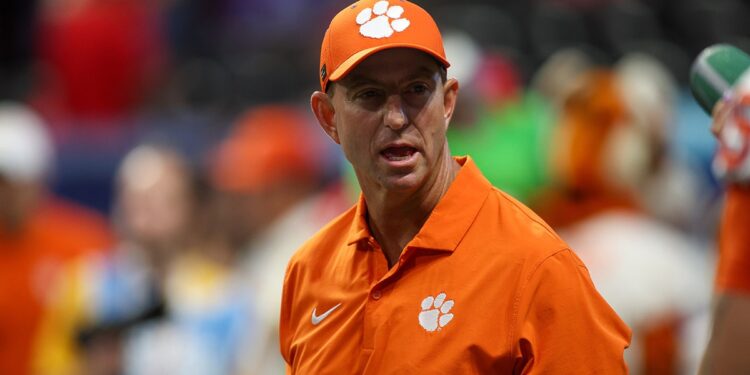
402	182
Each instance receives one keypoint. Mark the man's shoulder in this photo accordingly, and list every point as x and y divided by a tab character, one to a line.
518	227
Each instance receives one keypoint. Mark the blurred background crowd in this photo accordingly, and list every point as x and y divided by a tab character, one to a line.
159	165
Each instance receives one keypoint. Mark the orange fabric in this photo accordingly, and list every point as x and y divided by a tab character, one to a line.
57	233
562	208
344	45
733	272
270	144
522	302
661	348
589	116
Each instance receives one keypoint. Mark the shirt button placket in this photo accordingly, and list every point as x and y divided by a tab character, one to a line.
372	321
379	268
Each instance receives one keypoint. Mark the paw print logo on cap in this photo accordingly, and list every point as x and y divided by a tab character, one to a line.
435	312
387	20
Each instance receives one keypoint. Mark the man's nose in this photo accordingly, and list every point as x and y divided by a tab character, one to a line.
395	116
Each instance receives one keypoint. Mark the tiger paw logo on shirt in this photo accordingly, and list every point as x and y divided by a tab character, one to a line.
435	312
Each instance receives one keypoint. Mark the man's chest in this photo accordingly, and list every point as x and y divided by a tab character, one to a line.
431	313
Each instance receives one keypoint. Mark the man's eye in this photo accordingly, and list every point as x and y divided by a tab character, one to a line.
417	94
419	89
368	94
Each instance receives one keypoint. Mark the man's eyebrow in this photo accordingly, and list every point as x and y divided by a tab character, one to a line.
422	71
355	80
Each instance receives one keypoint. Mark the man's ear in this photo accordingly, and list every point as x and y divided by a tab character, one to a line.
323	109
450	96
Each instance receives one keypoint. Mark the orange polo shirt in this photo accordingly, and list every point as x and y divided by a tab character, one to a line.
733	272
484	287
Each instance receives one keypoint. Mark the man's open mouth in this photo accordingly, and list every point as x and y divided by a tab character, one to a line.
398	153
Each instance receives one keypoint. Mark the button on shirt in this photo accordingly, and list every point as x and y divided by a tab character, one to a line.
484	287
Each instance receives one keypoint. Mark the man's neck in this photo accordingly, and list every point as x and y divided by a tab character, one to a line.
395	218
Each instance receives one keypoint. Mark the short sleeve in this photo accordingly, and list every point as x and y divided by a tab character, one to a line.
285	316
733	273
564	325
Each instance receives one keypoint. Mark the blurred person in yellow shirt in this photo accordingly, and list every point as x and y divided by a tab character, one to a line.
272	173
100	299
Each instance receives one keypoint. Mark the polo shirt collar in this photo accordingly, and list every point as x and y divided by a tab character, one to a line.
451	217
359	230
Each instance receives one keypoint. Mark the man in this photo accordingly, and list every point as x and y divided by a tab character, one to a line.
434	270
602	158
157	211
39	234
720	81
268	208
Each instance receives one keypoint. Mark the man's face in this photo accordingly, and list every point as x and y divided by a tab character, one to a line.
156	202
390	116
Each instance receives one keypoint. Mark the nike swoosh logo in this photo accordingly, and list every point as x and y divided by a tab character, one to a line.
316	319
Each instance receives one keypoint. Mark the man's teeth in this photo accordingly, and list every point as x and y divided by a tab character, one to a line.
398	153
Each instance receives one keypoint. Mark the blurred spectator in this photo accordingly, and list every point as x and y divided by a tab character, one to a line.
668	190
559	75
208	311
271	172
600	156
101	297
728	106
39	234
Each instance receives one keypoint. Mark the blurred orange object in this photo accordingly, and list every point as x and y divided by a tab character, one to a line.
587	156
661	348
733	274
30	259
269	145
589	117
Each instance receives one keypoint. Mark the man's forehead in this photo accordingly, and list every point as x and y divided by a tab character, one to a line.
393	62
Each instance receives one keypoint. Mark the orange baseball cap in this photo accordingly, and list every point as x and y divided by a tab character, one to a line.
369	26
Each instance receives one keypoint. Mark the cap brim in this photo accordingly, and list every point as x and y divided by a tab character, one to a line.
355	59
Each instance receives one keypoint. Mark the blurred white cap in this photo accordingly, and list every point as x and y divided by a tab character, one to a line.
648	90
25	145
560	74
464	54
